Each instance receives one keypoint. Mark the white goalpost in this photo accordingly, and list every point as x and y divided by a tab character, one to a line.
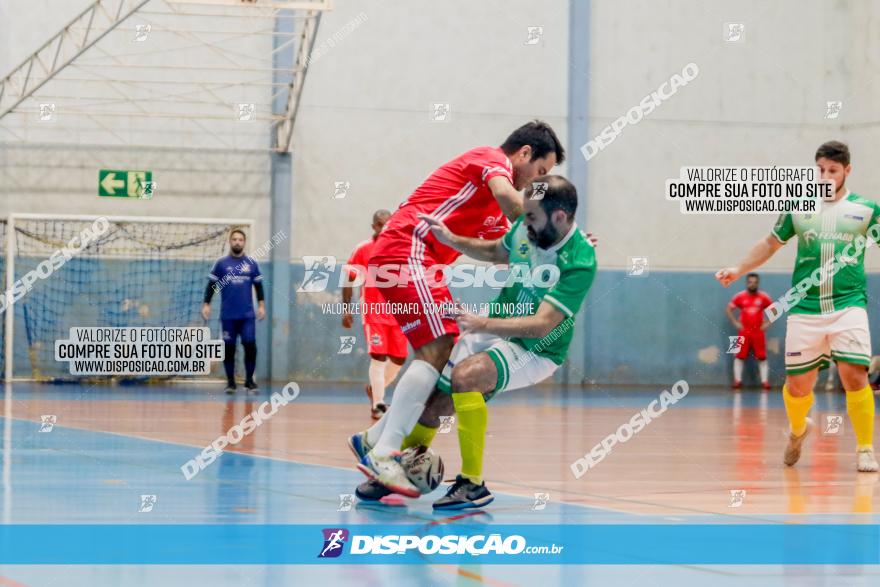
66	271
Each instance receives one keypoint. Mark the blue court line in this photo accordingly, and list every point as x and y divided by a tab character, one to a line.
276	480
269	480
283	487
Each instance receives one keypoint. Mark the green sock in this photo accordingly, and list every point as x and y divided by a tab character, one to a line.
473	417
420	436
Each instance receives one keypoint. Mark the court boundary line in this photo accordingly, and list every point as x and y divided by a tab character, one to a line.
280	459
686	511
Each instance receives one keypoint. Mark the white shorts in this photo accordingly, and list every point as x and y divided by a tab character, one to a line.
517	367
812	340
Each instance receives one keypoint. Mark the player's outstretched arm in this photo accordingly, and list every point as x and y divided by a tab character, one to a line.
538	325
757	256
475	248
509	199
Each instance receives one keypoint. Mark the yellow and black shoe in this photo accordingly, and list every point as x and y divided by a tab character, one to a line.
464	494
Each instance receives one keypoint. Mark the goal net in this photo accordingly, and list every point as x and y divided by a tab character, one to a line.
133	272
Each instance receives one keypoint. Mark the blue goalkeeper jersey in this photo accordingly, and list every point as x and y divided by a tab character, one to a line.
234	278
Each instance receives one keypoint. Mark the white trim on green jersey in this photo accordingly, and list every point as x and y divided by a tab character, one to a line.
821	238
575	259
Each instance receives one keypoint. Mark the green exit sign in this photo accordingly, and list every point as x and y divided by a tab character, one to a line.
126	184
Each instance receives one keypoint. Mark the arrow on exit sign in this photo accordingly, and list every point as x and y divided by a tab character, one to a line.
125	184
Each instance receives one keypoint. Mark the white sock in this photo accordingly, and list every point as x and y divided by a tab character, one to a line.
410	396
375	431
377	380
764	370
391	371
738	369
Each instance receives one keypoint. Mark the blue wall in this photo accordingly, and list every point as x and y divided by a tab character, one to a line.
648	330
640	330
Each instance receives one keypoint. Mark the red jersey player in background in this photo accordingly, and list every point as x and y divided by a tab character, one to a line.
475	195
385	342
750	327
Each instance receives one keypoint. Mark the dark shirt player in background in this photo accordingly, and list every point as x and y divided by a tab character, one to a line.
233	276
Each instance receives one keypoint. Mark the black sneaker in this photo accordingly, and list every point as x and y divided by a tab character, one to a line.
230	388
371	491
252	387
378	411
463	494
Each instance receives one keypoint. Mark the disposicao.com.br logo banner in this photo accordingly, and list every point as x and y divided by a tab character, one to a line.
479	544
455	543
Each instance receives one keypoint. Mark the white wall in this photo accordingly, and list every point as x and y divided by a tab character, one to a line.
26	24
46	173
364	117
758	102
365	112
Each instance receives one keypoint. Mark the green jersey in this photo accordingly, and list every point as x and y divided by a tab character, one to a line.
560	275
834	236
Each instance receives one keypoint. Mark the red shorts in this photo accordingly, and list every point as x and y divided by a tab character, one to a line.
752	340
385	339
420	303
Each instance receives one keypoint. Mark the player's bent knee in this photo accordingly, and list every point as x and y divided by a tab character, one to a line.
802	384
436	352
476	373
854	377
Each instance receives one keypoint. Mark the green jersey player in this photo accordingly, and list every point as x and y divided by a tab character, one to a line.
827	318
522	341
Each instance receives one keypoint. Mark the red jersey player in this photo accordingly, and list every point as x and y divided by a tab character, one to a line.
750	328
385	342
475	195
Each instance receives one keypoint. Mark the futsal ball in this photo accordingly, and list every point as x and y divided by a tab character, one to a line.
423	467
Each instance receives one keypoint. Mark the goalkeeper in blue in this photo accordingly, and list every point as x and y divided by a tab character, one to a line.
234	276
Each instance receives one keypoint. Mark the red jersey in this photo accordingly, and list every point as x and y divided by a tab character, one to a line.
751	308
371	298
457	193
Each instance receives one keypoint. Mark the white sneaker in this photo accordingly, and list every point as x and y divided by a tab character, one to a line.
793	449
389	472
866	463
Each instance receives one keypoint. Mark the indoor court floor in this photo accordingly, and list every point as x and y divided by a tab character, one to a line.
713	458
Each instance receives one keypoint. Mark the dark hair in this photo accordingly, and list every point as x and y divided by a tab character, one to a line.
755	275
239	231
539	136
834	150
559	194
